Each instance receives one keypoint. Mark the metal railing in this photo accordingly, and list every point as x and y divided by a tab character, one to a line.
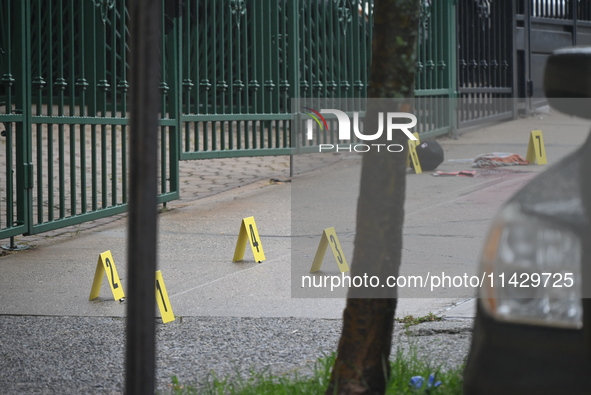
243	62
230	71
64	107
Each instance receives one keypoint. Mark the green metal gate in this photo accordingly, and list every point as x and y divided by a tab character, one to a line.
63	105
243	62
436	86
15	178
230	69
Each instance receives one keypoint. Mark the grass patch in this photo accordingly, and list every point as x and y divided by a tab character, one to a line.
404	367
410	320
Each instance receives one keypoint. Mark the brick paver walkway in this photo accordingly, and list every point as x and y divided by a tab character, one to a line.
203	178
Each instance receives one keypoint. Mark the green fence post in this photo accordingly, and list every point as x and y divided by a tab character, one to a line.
24	165
295	66
452	57
173	57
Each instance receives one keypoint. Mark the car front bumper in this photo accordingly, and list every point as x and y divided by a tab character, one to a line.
507	358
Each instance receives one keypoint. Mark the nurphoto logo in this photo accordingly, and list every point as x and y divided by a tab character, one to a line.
391	119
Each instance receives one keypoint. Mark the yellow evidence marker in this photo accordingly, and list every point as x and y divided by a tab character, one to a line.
412	154
162	299
329	237
248	231
106	265
536	151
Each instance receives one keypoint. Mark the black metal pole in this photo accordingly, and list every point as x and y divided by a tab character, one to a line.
145	21
586	258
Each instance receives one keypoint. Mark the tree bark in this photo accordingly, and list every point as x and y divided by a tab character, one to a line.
362	364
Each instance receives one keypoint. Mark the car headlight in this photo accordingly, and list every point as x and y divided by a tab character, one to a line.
532	268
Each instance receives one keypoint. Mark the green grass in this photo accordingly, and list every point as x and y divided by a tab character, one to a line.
410	320
403	368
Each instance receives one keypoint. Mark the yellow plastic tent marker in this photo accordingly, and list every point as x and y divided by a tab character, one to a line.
415	142
162	299
106	265
536	151
329	237
412	154
249	231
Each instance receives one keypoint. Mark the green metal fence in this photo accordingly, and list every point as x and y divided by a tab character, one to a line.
243	62
230	69
63	105
436	81
16	180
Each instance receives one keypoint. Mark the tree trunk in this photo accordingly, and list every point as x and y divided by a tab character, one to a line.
362	364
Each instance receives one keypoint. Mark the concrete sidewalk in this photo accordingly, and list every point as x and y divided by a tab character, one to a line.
446	222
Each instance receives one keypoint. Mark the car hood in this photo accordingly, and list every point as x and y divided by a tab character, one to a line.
556	194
